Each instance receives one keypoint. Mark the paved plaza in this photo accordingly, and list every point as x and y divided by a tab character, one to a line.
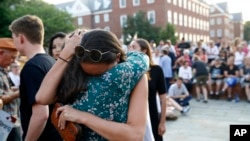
208	122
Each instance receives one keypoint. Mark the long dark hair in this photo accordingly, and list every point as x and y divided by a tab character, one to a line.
75	80
144	45
56	35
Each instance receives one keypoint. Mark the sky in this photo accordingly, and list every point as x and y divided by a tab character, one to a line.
234	6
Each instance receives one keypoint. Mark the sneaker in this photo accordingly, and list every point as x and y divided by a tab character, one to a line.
236	98
204	101
185	109
229	99
171	117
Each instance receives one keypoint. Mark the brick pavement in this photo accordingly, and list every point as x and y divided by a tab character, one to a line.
208	122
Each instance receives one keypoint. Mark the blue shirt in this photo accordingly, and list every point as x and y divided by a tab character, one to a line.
165	63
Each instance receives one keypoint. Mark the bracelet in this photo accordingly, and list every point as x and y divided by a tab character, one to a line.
63	59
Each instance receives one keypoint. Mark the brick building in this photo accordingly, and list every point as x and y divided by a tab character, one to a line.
223	24
190	17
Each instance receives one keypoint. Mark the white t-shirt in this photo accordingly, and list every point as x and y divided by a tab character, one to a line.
185	73
239	57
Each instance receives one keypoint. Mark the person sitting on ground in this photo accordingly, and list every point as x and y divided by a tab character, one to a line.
173	105
215	76
179	93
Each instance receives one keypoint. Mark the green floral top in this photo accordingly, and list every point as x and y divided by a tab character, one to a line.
108	95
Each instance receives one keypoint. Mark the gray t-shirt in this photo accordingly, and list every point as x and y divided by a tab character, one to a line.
174	90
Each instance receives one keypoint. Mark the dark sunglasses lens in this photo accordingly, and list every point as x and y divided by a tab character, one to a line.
95	55
79	51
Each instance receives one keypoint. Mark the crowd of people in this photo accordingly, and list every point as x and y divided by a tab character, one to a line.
113	91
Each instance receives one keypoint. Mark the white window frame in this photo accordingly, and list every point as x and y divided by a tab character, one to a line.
194	22
185	4
180	3
106	17
219	33
150	1
122	22
193	7
189	5
154	17
80	20
211	21
175	2
180	20
136	4
212	33
169	16
190	21
185	20
175	18
218	21
120	3
97	18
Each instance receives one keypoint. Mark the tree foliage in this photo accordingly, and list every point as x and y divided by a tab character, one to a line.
247	31
168	33
54	19
141	26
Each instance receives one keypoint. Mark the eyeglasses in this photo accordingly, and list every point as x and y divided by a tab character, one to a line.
94	54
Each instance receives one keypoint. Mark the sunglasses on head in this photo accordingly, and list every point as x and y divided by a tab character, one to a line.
94	54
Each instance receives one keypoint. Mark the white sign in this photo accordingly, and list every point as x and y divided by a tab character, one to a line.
5	125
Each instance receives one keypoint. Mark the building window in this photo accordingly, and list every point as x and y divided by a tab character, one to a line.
136	2
175	2
180	20
193	7
186	37
219	33
218	20
201	10
106	17
169	1
211	21
194	38
150	1
151	17
79	21
190	37
123	20
181	36
197	8
185	20
175	18
185	4
189	5
212	33
107	28
122	3
190	21
97	19
180	3
169	16
197	23
194	21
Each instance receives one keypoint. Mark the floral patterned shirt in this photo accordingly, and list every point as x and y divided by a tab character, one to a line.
108	95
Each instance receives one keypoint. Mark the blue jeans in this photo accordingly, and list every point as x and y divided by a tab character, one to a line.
183	102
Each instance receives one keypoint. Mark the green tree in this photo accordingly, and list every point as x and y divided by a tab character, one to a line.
141	26
247	31
168	33
54	19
